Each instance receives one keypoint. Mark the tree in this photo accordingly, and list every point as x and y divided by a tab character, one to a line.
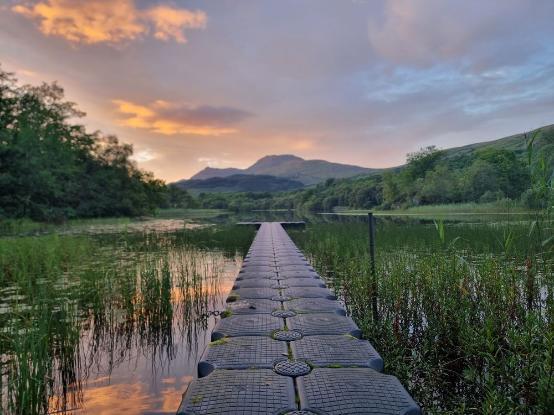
52	169
420	162
512	176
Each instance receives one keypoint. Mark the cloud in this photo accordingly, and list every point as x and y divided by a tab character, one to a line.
172	118
145	155
169	22
477	33
216	162
101	21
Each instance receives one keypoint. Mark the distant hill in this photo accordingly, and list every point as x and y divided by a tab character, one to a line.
291	167
515	143
240	183
297	171
210	172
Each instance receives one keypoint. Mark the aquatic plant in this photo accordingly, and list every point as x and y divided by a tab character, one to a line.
73	306
466	311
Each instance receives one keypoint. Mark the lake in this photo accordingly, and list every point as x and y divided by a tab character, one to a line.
112	317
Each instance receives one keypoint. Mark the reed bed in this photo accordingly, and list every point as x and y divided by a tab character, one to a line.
74	306
465	312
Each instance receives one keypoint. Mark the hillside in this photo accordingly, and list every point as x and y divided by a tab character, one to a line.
516	143
358	180
210	172
488	172
240	183
291	167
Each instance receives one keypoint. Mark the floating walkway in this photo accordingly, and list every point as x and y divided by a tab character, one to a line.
287	346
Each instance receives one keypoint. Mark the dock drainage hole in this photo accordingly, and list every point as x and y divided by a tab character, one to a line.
292	368
283	313
289	336
281	298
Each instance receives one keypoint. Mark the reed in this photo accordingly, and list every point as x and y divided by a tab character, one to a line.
466	311
72	306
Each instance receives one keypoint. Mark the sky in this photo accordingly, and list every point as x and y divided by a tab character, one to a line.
222	83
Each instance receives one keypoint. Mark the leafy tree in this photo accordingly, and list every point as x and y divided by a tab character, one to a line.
420	162
52	169
511	174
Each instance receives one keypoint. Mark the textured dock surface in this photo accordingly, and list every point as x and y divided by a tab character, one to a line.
288	347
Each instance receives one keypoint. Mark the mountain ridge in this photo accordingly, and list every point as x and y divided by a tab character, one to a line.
311	172
308	172
240	183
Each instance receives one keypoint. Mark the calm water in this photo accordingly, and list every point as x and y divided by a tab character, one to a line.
128	324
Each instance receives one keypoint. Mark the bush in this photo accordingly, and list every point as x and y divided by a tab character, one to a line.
533	200
490	196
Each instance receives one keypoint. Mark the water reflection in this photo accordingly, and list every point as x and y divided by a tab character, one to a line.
121	334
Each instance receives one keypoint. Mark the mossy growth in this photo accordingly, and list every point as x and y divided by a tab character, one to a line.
226	313
233	296
196	399
220	342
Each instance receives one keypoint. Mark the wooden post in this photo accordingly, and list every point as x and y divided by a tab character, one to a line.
371	221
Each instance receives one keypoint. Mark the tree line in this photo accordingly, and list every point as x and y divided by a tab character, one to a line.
52	169
430	176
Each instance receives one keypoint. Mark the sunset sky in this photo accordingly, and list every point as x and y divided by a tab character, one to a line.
225	82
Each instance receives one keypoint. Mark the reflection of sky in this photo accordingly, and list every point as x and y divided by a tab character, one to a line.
147	380
223	83
131	395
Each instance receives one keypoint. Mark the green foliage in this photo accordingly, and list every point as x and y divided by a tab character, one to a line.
177	198
508	171
541	164
52	169
466	312
241	183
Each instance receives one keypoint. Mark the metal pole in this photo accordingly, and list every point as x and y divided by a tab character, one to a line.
371	221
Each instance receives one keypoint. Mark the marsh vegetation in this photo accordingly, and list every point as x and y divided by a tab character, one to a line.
86	319
114	314
465	310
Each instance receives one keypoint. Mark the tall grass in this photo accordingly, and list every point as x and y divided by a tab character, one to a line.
74	306
465	312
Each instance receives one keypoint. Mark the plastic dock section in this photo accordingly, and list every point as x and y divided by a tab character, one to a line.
287	346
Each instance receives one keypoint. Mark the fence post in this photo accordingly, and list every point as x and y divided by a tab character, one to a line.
371	221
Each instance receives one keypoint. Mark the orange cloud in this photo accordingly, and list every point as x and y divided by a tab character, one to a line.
169	118
169	22
112	22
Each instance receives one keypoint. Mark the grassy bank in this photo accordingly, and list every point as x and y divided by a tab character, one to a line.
470	208
465	313
19	227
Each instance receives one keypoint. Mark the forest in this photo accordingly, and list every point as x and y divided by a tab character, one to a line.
52	169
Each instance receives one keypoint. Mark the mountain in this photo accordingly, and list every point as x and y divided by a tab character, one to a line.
240	183
291	167
209	172
310	172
